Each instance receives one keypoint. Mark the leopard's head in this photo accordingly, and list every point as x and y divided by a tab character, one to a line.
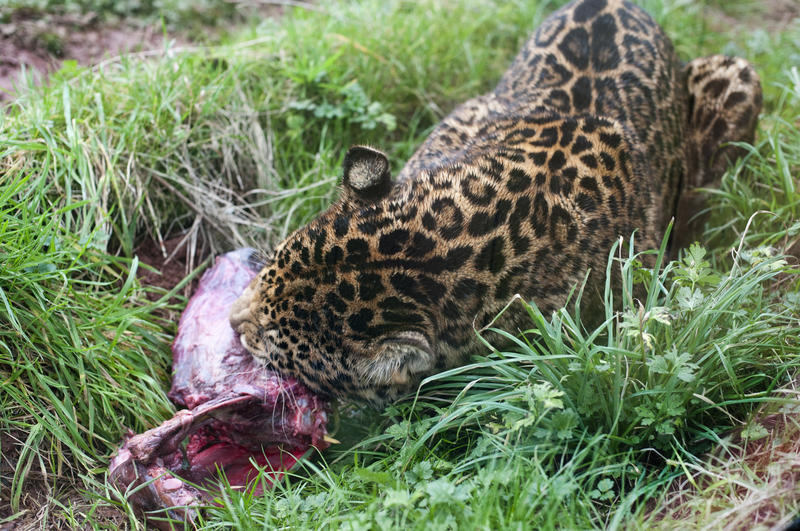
332	306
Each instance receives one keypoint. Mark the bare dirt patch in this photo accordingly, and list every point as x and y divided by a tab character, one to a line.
746	484
41	43
781	12
771	15
166	258
170	261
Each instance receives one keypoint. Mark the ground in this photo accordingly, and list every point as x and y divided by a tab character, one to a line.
40	45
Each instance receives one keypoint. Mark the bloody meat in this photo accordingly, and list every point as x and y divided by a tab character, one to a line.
239	415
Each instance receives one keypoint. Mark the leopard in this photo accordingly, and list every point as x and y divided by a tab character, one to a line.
597	131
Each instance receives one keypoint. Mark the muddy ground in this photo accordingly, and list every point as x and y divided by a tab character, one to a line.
39	44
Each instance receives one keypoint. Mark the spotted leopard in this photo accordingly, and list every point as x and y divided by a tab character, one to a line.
596	130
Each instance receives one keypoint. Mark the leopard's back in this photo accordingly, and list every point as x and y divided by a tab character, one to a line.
519	191
604	58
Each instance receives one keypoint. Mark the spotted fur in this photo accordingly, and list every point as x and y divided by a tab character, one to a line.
592	133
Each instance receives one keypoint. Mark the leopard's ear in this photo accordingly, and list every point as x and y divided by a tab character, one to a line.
366	176
400	359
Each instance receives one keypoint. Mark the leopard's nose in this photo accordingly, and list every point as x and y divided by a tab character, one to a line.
240	310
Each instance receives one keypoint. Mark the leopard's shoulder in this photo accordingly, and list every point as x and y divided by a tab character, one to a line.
521	191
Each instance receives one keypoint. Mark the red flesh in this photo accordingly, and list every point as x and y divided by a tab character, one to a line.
239	413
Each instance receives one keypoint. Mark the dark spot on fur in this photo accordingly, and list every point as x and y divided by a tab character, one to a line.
539	215
555	184
734	99
347	290
745	76
360	321
715	87
368	227
719	128
420	246
547	137
428	221
333	256
521	210
557	161
588	9
608	161
448	211
605	53
568	128
457	257
553	74
612	140
393	242
369	286
582	94
299	312
319	239
335	302
357	251
538	157
407	286
575	47
586	203
518	181
477	198
590	161
613	206
501	212
479	224
587	183
558	100
341	226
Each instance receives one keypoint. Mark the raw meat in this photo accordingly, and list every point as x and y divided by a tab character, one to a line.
238	412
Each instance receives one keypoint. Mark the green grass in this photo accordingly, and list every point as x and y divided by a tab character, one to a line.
569	428
241	143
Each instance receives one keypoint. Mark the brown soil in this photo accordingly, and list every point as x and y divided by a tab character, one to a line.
781	12
35	509
41	44
773	15
173	259
773	459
